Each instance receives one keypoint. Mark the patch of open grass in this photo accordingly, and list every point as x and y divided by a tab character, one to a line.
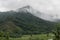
34	37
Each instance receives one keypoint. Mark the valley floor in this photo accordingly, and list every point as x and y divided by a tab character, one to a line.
34	37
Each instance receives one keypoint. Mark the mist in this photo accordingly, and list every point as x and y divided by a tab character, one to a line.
51	8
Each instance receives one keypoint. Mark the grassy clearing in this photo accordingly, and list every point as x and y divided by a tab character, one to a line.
34	37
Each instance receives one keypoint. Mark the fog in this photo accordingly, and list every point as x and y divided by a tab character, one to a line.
48	7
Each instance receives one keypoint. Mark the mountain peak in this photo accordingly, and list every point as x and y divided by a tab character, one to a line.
24	9
27	6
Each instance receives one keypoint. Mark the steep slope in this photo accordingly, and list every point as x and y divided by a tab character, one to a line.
29	22
37	13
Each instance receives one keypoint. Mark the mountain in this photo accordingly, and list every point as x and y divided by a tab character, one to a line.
37	13
22	21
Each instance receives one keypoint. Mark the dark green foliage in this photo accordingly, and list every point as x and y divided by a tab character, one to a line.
57	32
1	35
7	36
23	23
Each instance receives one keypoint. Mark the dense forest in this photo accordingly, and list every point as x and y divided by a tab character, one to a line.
23	22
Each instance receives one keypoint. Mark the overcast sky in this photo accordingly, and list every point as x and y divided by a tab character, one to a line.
51	7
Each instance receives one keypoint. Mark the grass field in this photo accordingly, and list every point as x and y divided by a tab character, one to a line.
34	37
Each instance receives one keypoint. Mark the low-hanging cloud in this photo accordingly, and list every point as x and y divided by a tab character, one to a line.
51	7
46	6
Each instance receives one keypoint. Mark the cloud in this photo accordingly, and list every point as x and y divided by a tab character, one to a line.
11	4
50	7
45	6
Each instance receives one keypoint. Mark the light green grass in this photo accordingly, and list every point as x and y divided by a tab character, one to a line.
34	37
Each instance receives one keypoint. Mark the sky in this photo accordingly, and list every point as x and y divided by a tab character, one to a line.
50	7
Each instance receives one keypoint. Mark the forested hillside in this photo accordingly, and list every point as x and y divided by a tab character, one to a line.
23	22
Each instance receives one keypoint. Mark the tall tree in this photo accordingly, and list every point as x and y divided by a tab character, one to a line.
57	32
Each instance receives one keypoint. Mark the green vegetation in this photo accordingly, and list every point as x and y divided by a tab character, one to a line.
23	25
57	32
34	37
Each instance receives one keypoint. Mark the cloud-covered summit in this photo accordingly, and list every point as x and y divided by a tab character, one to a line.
50	7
